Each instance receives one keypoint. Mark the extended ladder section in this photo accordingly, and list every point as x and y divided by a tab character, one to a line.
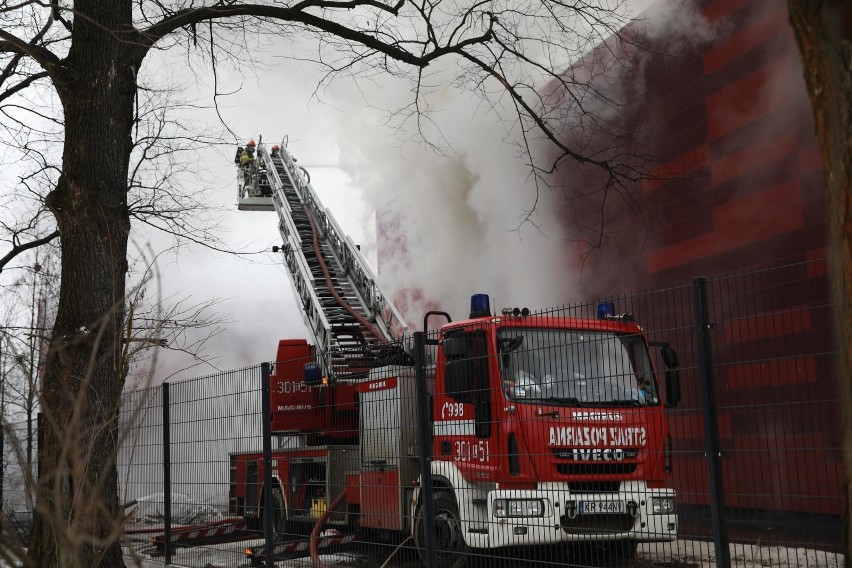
350	317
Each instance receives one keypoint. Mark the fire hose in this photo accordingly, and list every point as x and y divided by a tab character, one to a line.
341	302
314	545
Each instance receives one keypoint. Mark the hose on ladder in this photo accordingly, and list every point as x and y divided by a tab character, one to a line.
341	302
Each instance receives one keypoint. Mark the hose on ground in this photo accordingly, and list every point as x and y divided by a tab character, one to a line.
314	544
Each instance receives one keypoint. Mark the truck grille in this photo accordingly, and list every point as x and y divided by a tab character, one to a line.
594	486
595	468
597	523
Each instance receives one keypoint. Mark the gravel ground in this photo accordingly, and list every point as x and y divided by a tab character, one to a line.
679	554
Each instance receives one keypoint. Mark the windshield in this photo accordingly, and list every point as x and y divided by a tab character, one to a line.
575	367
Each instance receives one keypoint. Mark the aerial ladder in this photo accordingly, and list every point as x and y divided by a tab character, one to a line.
354	325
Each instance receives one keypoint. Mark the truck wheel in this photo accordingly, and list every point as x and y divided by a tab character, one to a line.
254	521
451	551
279	515
353	519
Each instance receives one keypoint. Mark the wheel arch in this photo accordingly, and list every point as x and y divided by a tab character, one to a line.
276	484
446	477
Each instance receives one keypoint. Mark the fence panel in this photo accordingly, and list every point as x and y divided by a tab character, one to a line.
778	411
210	420
19	446
554	438
140	454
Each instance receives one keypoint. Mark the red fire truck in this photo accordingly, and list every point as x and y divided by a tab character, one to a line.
544	429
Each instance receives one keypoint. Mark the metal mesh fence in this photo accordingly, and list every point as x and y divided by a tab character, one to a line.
174	463
693	425
19	467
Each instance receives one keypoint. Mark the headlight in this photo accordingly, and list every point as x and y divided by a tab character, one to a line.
662	505
518	508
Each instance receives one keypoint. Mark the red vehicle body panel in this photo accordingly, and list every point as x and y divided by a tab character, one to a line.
380	499
298	408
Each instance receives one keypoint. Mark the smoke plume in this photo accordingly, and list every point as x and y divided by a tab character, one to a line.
462	214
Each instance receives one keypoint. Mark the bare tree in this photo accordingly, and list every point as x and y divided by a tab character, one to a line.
28	308
156	324
88	55
824	34
153	324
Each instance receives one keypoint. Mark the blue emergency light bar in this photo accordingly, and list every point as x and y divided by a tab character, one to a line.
313	374
606	310
480	306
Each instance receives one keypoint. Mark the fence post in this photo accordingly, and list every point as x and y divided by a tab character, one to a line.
2	474
713	449
425	442
167	479
39	446
265	401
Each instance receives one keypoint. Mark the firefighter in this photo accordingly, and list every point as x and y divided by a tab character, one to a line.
247	156
247	161
275	150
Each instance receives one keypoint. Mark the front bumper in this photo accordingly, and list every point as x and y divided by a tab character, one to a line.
563	520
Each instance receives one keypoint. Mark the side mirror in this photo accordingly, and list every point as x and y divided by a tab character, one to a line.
482	416
670	359
672	387
669	356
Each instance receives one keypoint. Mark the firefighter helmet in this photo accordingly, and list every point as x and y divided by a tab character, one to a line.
251	144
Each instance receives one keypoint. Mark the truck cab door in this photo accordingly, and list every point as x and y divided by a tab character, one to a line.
465	408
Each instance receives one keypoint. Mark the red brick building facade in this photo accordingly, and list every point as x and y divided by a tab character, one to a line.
733	118
733	125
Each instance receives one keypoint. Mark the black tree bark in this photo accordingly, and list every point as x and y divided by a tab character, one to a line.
77	520
824	34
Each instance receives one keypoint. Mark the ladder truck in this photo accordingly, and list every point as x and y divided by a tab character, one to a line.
545	429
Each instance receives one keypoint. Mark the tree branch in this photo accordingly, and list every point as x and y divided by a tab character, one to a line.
18	249
22	85
520	102
54	8
190	16
349	5
44	57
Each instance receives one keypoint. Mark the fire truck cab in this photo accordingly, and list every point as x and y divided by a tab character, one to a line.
549	429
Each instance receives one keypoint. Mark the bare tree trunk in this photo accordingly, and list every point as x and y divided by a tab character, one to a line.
824	33
77	521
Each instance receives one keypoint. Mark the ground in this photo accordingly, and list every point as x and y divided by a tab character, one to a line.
680	554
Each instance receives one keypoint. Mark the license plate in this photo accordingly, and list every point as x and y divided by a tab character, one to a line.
601	507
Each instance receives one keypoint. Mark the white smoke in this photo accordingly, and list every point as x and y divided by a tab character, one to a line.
453	225
456	224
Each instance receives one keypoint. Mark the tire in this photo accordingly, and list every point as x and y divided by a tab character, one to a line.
353	519
280	526
451	551
279	516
